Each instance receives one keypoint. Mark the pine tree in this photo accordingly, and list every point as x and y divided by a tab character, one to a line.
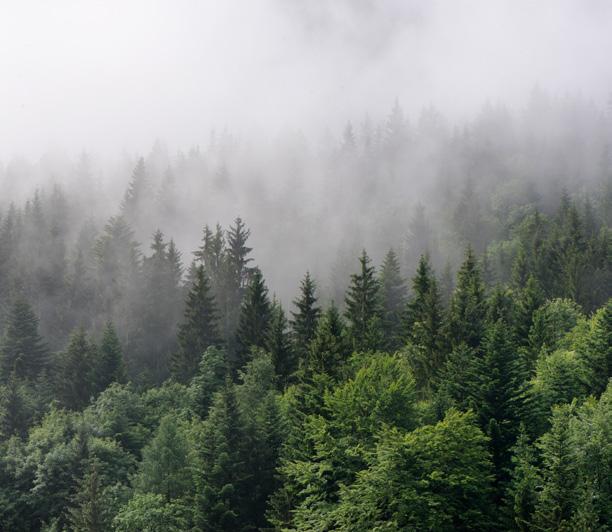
393	293
305	319
22	350
109	367
467	308
255	316
74	377
198	330
363	309
278	344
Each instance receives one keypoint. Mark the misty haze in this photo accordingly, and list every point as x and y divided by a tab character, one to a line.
305	266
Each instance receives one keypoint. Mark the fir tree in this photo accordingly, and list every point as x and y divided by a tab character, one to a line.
329	349
363	310
393	293
109	367
75	380
255	315
278	344
22	350
467	308
198	330
220	479
304	320
88	513
423	322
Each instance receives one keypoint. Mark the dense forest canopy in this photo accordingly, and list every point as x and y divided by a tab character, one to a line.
381	317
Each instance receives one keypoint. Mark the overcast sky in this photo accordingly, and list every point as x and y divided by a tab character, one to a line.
107	75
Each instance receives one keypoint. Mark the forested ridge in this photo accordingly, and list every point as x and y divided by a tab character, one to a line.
456	379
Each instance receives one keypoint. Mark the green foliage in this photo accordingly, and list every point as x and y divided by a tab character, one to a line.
363	307
435	478
165	468
75	378
278	344
329	348
198	330
210	378
393	294
109	366
149	512
304	320
22	351
551	323
423	326
255	316
467	307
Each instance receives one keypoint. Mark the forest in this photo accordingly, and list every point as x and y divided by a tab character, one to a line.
446	367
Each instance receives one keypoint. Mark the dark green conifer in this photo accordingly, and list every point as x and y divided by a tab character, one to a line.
198	330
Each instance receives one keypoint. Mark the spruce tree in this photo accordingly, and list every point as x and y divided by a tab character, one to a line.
235	277
304	320
255	316
393	293
88	513
363	309
75	384
278	344
467	308
22	351
220	478
330	348
109	367
198	330
422	323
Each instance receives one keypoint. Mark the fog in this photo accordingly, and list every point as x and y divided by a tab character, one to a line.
245	105
110	76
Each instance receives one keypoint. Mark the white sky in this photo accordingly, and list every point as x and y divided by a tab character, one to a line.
107	75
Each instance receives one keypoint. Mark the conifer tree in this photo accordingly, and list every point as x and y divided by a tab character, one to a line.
88	512
363	308
109	367
393	293
220	479
499	406
329	348
136	195
530	298
255	316
278	344
16	408
467	308
198	330
75	384
236	273
166	465
304	320
212	371
423	321
22	351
